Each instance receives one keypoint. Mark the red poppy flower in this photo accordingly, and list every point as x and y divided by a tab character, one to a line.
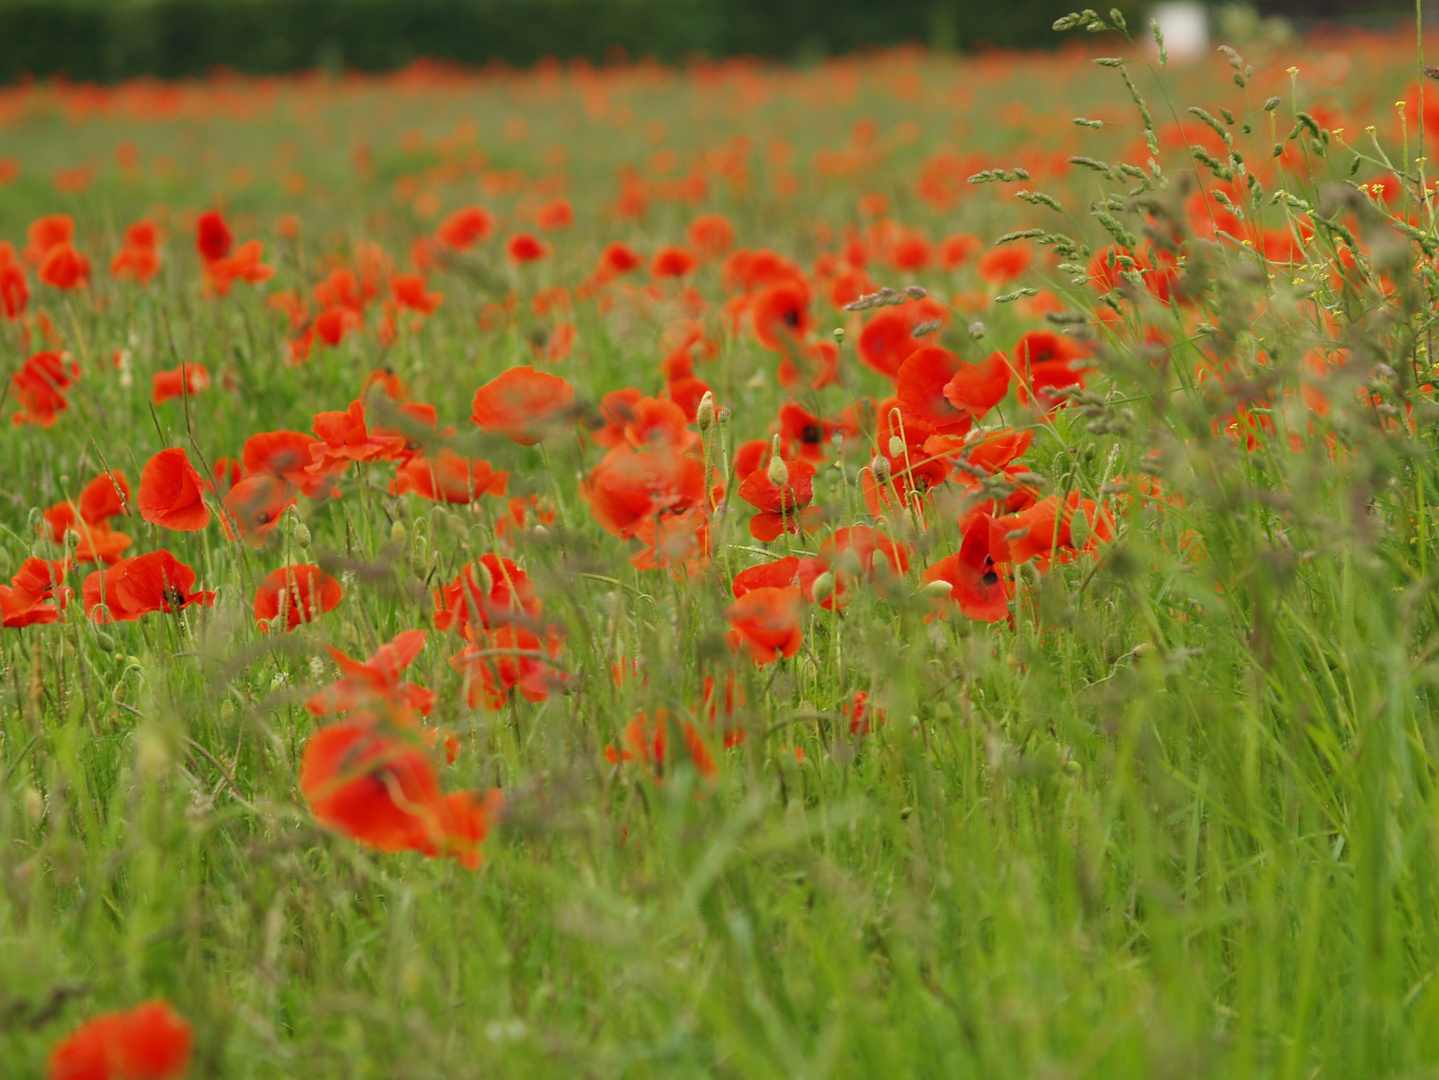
815	364
104	497
149	1042
254	506
887	339
345	438
139	264
920	386
524	404
862	714
40	387
45	233
978	586
409	292
648	746
781	315
1045	362
172	492
557	214
213	239
35	595
1046	531
98	542
782	507
302	591
801	433
852	552
465	228
491	591
64	268
377	681
379	788
1001	265
643	423
629	487
526	247
244	265
618	259
779	574
507	658
977	388
673	262
148	583
185	379
287	455
448	477
711	234
764	623
14	289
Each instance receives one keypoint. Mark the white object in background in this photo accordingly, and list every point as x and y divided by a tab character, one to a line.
1185	26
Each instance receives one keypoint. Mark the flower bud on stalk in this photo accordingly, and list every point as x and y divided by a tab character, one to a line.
823	587
705	414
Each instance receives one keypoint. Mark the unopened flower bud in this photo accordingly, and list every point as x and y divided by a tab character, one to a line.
823	587
937	589
104	642
72	539
705	413
976	330
398	533
302	536
778	471
880	467
896	446
34	806
483	578
882	565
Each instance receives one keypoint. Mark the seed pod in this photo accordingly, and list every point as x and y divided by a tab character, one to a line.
839	334
722	415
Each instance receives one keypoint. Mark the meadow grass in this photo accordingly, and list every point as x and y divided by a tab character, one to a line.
1175	818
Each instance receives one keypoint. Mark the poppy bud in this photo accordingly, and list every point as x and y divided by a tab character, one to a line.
880	467
896	446
882	567
104	642
823	587
485	580
72	539
849	562
398	533
302	536
778	471
937	589
35	520
705	413
457	524
976	330
419	557
539	532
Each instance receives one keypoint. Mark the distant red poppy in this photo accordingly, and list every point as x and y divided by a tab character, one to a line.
1046	531
887	339
14	288
673	262
149	1042
213	239
491	591
138	264
648	745
1001	265
304	592
185	379
524	404
506	658
525	248
377	682
711	234
346	438
172	492
465	228
557	214
447	477
64	268
46	233
288	455
40	386
409	292
255	506
628	488
618	258
244	265
781	314
765	623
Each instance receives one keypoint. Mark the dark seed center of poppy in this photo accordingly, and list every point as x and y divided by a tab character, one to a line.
810	433
791	318
990	578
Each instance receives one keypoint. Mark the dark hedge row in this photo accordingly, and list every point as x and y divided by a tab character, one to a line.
113	39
